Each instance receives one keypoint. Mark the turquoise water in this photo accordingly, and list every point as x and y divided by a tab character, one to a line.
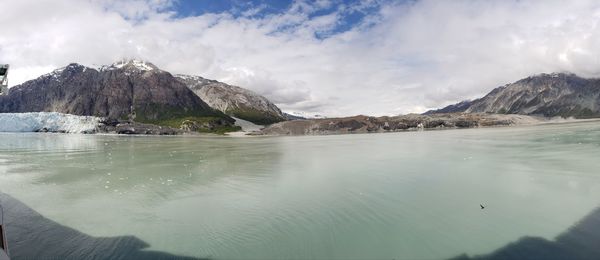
412	195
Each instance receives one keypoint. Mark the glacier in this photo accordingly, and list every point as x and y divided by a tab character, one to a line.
50	121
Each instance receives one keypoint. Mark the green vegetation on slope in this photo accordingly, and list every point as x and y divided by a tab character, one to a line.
210	121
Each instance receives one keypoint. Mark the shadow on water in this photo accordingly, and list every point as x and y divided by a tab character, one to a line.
32	236
582	241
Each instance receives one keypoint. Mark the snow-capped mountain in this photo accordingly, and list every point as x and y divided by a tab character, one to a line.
127	64
127	90
133	64
304	115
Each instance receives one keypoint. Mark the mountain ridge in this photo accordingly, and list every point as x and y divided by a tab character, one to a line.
233	100
130	90
555	94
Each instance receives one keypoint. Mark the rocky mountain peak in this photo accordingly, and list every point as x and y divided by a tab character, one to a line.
129	65
72	67
57	74
555	75
133	64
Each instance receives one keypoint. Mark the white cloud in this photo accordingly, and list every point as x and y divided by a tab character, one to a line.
405	58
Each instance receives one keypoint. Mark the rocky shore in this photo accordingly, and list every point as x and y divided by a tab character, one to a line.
111	126
367	124
134	128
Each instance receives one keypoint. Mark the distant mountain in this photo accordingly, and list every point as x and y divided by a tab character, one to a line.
128	90
303	115
293	117
556	94
234	101
458	107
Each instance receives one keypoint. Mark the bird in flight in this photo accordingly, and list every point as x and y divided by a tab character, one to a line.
482	207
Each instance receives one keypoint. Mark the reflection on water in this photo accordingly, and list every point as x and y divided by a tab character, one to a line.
158	166
409	195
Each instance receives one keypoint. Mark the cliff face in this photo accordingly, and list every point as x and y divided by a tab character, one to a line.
128	90
557	94
234	101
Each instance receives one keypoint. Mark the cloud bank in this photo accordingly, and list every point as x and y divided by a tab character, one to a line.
401	57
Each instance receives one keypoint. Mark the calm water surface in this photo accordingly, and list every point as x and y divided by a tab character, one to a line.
412	195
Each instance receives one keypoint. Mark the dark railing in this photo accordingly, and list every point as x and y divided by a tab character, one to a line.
3	244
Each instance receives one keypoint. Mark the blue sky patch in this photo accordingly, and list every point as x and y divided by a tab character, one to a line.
350	12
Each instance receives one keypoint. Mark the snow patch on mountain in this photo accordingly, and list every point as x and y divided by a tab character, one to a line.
198	79
47	121
125	64
306	115
138	64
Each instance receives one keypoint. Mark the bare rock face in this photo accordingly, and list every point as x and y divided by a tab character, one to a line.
557	94
234	101
128	90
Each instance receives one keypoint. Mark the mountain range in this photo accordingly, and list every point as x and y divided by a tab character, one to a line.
138	91
543	96
548	95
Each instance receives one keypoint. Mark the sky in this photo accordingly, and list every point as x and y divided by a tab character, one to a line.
328	57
